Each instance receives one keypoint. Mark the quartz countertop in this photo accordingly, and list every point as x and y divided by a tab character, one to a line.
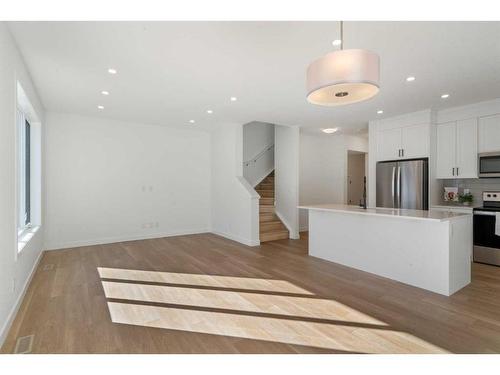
388	212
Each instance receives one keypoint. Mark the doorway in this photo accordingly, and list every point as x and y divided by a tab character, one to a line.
356	172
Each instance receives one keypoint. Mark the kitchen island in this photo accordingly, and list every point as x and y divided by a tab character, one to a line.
427	249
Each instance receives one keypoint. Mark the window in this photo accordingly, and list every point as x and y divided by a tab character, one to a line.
24	172
28	169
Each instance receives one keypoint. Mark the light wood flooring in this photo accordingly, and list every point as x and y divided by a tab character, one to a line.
206	294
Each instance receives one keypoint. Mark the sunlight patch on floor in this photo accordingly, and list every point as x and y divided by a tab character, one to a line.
327	336
192	306
241	301
270	285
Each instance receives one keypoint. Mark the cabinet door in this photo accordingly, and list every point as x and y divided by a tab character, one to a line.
388	144
467	148
446	150
415	141
489	134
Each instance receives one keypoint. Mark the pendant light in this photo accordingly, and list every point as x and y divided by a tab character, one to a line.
343	77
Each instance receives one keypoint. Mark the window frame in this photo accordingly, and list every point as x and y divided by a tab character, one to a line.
24	174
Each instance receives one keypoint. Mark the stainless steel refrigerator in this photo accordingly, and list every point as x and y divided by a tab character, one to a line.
403	184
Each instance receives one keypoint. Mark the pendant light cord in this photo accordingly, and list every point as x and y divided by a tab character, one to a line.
341	35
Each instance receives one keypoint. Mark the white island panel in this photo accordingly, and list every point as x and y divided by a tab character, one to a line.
431	253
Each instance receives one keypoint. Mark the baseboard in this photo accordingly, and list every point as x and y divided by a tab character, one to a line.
13	312
293	234
242	240
108	240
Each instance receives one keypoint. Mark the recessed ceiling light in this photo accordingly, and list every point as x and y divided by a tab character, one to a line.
444	96
234	98
192	121
410	79
100	106
112	71
209	111
380	111
105	92
329	130
337	42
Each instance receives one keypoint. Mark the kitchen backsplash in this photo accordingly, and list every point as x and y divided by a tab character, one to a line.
476	187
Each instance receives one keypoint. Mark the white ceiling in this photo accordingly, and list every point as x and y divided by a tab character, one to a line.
171	72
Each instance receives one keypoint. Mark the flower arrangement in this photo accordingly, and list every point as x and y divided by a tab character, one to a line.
465	198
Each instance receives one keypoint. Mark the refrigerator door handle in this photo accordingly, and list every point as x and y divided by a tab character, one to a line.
398	187
392	186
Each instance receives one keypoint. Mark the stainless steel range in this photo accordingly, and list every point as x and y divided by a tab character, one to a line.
487	229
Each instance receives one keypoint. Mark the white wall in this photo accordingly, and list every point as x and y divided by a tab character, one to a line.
235	204
256	136
109	181
323	169
15	269
286	156
258	151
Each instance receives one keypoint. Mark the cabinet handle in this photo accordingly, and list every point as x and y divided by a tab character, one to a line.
457	171
453	171
402	152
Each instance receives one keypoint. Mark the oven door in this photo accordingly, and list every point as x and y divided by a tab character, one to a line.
489	164
486	243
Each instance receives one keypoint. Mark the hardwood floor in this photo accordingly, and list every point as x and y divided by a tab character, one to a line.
205	294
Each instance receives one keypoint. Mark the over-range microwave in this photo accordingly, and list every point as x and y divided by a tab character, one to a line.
489	164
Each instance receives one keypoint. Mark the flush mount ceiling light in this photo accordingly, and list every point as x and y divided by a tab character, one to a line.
343	76
112	71
337	42
380	111
192	121
410	79
209	111
329	130
234	98
445	96
105	92
100	107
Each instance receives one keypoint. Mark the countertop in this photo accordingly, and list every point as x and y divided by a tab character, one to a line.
388	212
455	206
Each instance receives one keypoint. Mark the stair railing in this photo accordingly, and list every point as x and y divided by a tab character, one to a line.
258	167
256	158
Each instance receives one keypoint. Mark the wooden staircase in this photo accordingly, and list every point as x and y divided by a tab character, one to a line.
271	227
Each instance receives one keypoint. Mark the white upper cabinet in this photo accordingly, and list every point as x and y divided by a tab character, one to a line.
457	149
415	141
489	134
408	142
389	144
446	150
467	149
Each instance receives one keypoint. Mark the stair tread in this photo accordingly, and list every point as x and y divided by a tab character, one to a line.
273	221
274	236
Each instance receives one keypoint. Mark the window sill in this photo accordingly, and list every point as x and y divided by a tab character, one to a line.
25	237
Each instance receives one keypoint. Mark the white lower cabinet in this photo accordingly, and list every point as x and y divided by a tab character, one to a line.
457	149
